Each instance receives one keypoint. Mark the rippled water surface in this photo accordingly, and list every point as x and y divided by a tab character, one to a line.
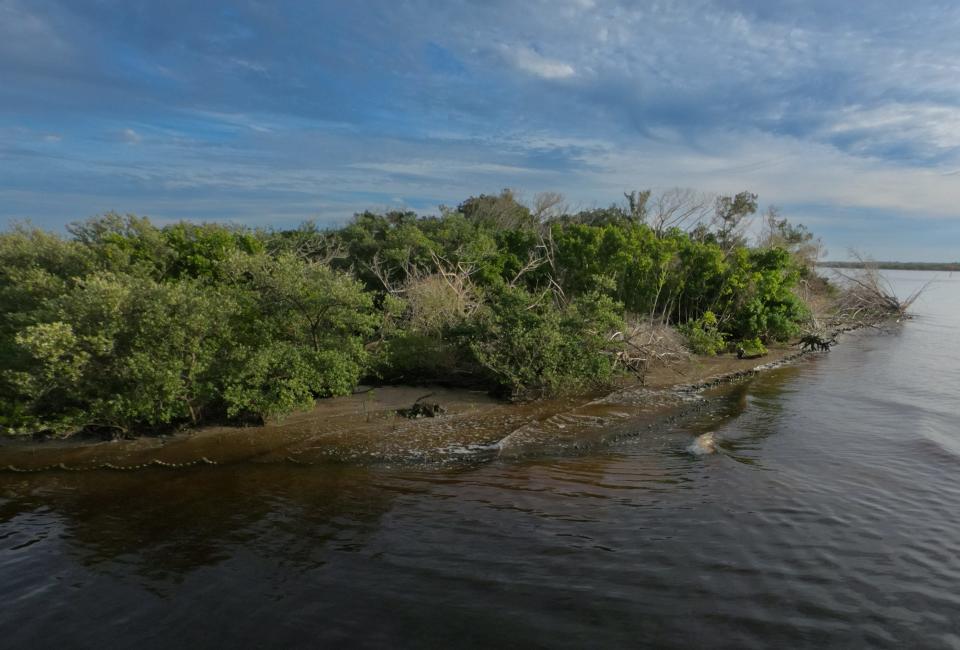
831	518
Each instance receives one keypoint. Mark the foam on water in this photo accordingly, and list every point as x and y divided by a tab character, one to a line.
704	445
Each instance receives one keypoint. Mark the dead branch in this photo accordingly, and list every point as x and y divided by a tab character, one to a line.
458	279
384	274
535	260
678	207
647	343
547	206
868	297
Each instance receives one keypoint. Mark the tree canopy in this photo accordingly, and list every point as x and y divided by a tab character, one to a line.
126	326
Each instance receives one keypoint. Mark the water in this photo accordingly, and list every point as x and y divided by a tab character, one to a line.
829	519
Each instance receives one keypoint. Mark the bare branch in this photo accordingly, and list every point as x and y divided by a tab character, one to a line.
535	260
679	208
383	274
869	298
547	206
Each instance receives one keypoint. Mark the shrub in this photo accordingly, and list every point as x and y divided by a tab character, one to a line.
751	348
130	352
123	352
530	347
279	377
299	333
132	326
763	303
702	335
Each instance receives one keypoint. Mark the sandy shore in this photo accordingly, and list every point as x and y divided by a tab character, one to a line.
365	428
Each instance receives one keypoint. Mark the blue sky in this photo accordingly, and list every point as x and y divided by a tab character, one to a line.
845	115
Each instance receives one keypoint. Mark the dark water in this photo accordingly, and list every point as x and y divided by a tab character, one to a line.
830	519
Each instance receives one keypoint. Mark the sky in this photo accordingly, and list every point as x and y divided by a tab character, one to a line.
845	115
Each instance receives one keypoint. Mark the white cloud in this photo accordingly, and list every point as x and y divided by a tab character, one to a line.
819	106
245	64
532	62
782	170
445	168
926	126
131	137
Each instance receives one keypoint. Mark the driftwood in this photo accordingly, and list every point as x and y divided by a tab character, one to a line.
422	409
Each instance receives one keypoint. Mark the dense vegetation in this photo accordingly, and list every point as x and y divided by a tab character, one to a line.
123	326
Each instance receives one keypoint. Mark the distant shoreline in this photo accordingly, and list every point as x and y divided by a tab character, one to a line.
898	266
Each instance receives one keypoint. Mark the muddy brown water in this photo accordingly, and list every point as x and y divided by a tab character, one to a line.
830	518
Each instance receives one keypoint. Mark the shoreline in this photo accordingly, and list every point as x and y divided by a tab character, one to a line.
364	428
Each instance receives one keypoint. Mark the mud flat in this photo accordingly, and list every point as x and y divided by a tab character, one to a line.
366	428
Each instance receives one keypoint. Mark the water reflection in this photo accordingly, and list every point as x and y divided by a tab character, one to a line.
160	525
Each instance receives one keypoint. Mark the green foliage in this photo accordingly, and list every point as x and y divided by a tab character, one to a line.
129	326
764	304
730	212
119	352
795	239
702	335
531	347
278	377
307	304
299	333
230	332
131	244
751	348
502	211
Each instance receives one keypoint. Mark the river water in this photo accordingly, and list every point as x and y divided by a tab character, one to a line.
830	518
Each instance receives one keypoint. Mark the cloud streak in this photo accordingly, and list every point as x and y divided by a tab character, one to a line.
271	113
534	63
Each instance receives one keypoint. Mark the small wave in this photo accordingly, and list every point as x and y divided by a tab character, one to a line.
941	444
